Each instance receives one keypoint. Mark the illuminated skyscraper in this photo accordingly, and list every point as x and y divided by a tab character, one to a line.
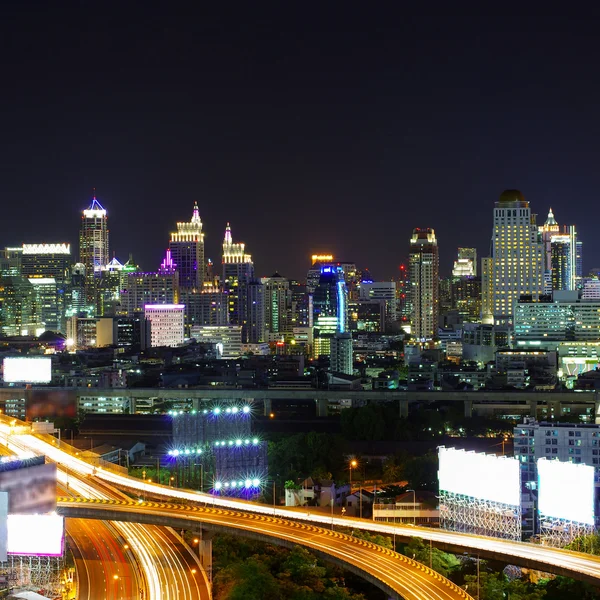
93	245
238	272
278	306
466	263
330	309
516	266
424	267
187	252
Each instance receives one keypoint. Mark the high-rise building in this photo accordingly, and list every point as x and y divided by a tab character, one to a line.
10	261
516	266
466	263
149	288
381	290
48	268
278	306
330	309
238	272
424	276
166	324
187	252
547	230
19	314
341	353
93	245
256	313
227	339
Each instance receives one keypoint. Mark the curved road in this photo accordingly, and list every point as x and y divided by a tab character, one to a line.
394	573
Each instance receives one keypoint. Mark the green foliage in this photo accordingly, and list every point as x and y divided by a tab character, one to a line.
421	472
306	454
586	543
249	570
442	562
563	588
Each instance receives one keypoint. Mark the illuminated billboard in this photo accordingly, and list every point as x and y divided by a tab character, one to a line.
566	491
36	535
30	490
482	476
27	369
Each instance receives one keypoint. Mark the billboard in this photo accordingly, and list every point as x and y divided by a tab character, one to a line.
27	369
37	535
30	490
483	476
566	491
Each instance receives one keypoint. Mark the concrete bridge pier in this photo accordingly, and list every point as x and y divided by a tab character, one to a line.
267	407
533	408
322	405
468	408
206	538
403	408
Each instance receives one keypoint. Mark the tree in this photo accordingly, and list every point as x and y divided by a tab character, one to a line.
249	580
442	562
421	472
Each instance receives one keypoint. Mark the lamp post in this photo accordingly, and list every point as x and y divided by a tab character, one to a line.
353	463
414	506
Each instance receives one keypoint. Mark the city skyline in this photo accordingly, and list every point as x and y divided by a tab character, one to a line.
358	138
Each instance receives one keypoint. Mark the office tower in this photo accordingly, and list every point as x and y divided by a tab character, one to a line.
10	261
256	313
18	307
323	260
166	324
466	263
47	260
314	273
149	288
238	272
330	309
381	290
187	252
547	230
47	266
208	307
278	306
341	353
466	298
516	266
227	339
93	245
300	304
424	280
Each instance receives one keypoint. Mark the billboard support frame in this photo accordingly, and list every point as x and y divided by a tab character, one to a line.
480	517
559	533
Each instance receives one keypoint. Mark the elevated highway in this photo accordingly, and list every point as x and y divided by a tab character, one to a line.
395	574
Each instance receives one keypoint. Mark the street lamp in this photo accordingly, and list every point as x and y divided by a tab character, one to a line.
353	463
414	507
171	480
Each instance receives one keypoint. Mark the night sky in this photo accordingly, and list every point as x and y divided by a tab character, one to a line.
308	131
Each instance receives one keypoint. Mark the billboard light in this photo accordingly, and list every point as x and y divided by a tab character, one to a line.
36	535
27	369
478	475
566	490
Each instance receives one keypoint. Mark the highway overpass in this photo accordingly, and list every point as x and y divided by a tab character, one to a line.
525	403
395	574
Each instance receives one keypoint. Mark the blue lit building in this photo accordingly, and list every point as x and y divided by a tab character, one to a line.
330	309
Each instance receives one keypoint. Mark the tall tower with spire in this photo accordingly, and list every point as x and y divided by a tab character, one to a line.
187	252
238	273
93	245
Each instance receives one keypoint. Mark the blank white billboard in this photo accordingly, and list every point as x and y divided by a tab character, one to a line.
37	535
566	490
483	476
27	369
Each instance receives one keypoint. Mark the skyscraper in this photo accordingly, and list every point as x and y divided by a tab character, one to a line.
238	272
516	266
424	267
330	309
93	245
187	252
278	306
466	263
